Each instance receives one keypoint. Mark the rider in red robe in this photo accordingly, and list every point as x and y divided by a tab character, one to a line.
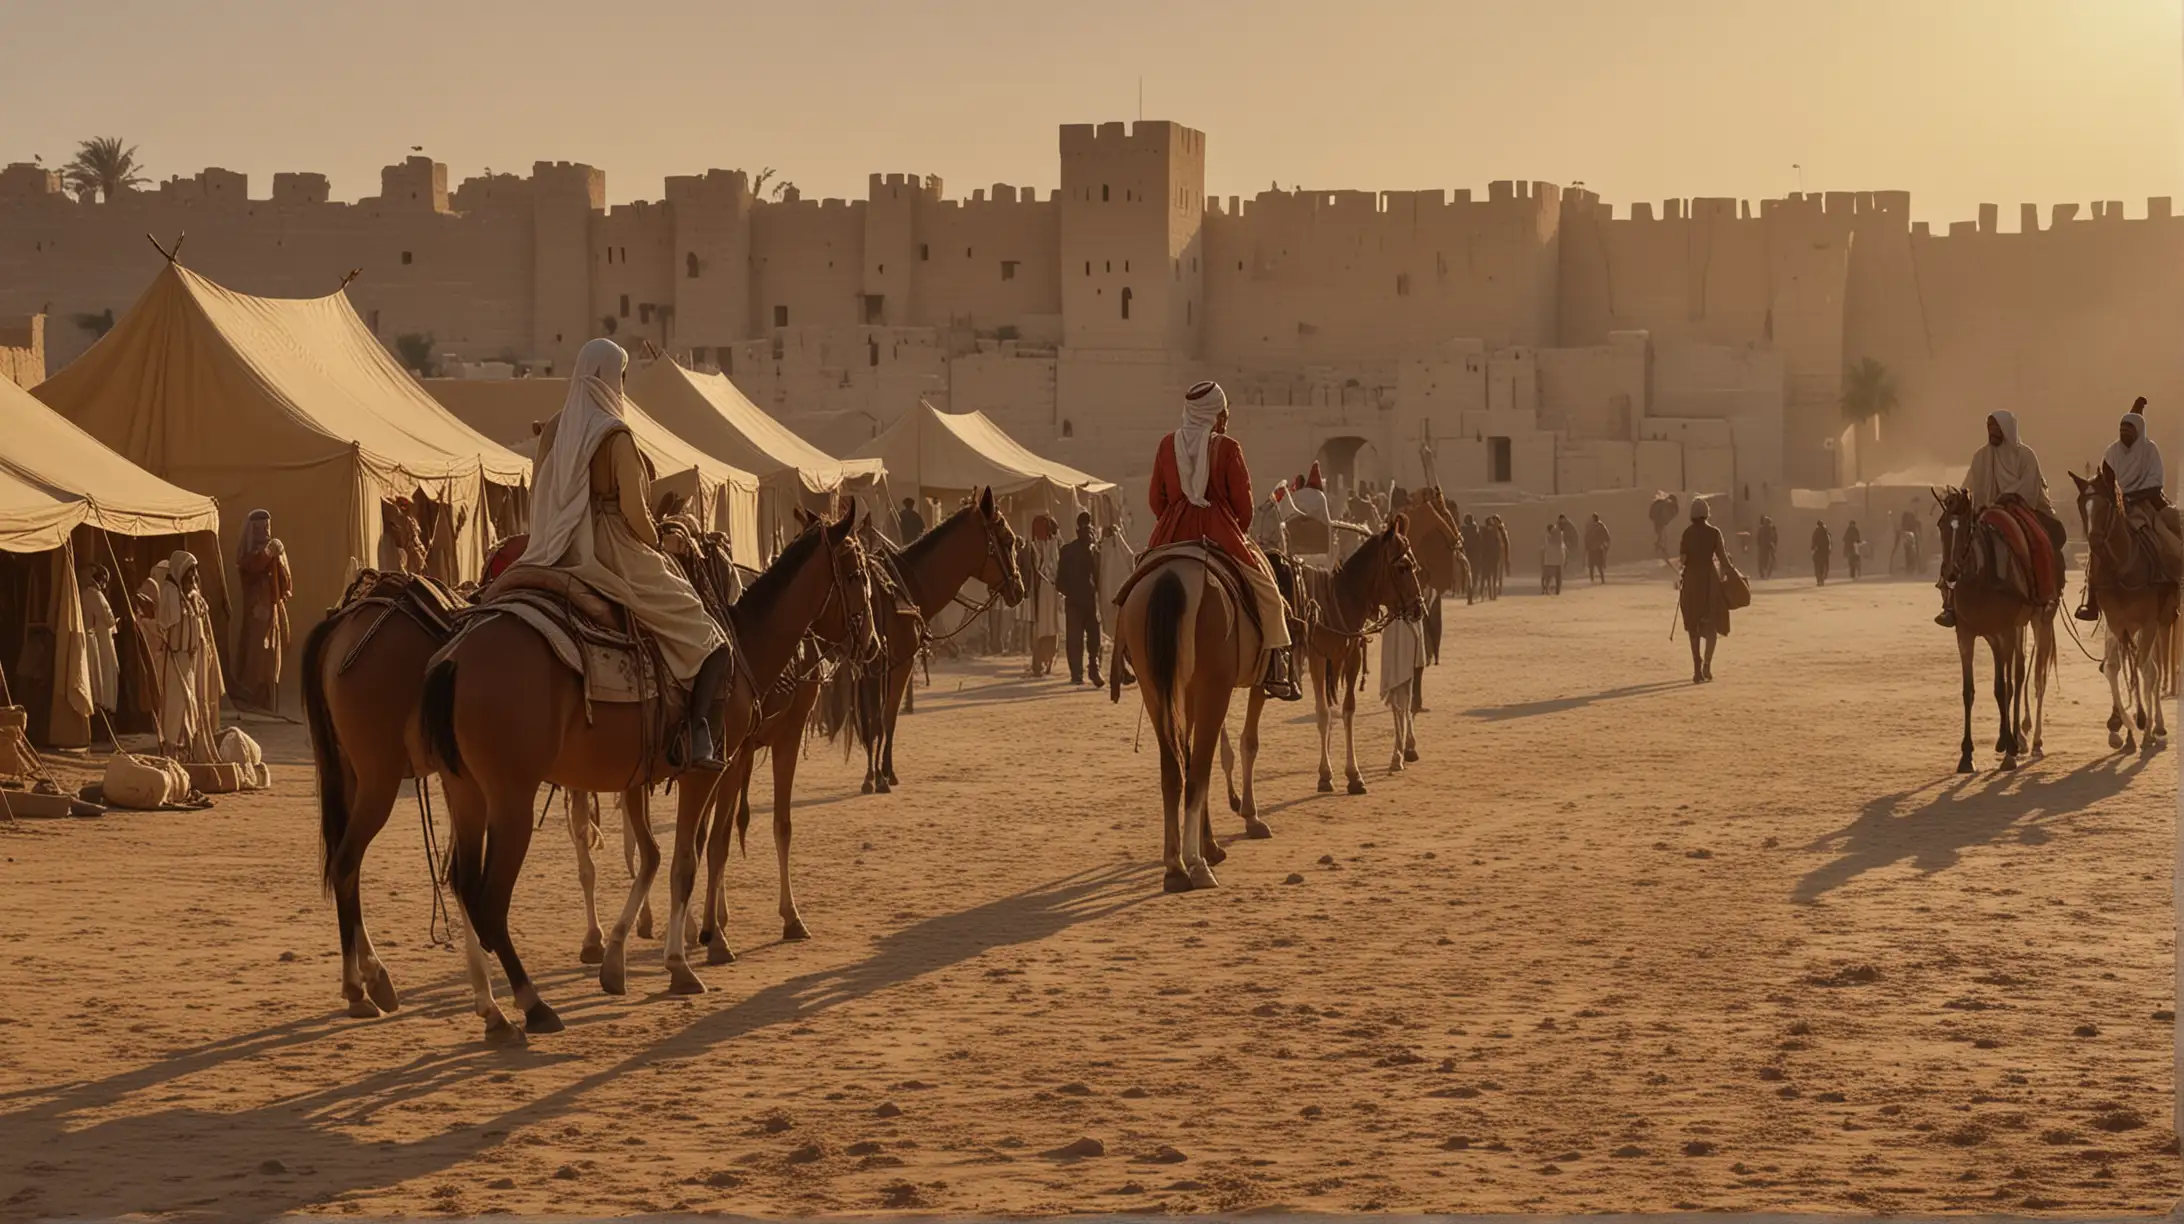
1223	519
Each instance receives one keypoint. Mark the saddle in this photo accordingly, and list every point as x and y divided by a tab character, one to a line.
2031	551
2159	531
590	634
422	600
1221	567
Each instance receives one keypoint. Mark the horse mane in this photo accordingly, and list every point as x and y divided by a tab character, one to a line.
760	597
915	551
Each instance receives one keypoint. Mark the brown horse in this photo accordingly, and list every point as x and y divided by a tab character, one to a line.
523	719
2138	606
1192	645
974	542
784	715
1990	608
1341	605
363	669
1439	545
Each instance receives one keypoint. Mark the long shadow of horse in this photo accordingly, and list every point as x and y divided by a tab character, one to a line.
1559	705
1932	825
65	1158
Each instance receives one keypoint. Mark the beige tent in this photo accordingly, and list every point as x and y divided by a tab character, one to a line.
708	410
290	405
67	501
947	456
507	410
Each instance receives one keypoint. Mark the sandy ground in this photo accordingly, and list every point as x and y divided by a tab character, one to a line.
1617	943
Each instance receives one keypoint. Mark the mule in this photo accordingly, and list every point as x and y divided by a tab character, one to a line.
1990	608
524	719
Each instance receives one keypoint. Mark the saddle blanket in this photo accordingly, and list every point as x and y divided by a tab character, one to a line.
615	671
2032	552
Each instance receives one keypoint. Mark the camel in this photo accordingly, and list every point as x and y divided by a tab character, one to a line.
1990	608
523	719
2138	607
974	542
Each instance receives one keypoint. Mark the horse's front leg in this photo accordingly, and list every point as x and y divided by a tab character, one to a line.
1228	771
1322	713
1350	672
637	818
2005	703
697	791
784	791
583	812
1255	705
720	833
2113	666
1964	654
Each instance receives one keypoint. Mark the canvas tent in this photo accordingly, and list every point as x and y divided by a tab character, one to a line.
947	456
66	501
506	410
717	418
292	406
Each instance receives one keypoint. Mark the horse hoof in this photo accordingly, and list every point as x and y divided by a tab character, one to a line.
1216	855
1256	829
2010	761
2115	739
1175	882
892	780
793	929
867	787
1326	786
614	975
719	953
644	925
381	988
361	1008
882	788
1357	786
540	1018
498	1032
684	982
1964	766
594	953
1202	877
1235	803
1410	755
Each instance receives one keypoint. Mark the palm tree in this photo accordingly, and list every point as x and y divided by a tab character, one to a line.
105	166
1869	393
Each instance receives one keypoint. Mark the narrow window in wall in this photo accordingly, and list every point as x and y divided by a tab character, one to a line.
872	352
1500	468
875	307
1008	269
1110	265
780	316
690	265
1402	284
925	251
1103	193
697	356
644	312
1126	265
405	257
624	256
625	306
966	252
610	254
1069	429
1126	296
1088	267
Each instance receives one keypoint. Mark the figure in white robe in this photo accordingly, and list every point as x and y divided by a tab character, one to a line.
99	624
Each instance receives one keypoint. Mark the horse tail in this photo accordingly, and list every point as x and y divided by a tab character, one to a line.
1165	606
836	709
437	714
325	754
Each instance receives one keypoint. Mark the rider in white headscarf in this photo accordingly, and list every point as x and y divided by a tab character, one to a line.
2134	458
2005	469
591	516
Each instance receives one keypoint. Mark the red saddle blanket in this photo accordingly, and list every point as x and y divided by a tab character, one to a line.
2027	539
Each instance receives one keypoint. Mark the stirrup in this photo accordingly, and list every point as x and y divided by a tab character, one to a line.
1946	618
697	748
2086	612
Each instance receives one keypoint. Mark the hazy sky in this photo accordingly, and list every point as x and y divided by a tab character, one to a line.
1957	101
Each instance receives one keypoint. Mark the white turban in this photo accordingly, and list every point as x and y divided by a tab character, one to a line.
1202	404
561	491
2137	466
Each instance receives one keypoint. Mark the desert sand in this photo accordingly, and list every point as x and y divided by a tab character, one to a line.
1615	943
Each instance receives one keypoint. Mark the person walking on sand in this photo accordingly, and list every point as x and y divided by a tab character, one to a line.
1701	596
1823	549
1853	540
1770	544
1551	556
1596	550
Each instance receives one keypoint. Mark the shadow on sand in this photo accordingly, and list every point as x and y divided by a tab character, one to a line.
1932	825
1558	705
68	1152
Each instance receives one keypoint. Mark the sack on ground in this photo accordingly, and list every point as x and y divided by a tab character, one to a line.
143	782
236	747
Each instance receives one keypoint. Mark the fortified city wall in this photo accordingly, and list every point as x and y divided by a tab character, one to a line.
1541	342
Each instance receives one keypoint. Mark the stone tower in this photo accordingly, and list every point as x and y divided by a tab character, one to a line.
1133	199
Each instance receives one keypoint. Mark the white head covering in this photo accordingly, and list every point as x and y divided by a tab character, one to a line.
257	531
561	491
1698	510
2137	466
2011	468
1194	438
